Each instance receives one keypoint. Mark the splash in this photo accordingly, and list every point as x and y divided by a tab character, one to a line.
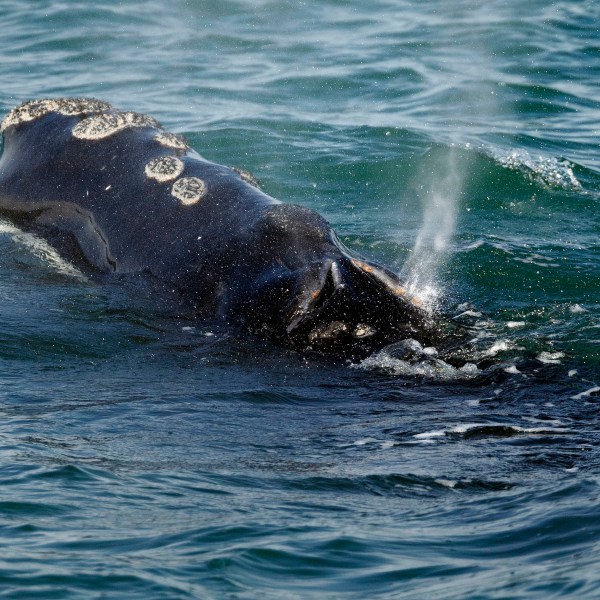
421	270
549	172
409	358
41	250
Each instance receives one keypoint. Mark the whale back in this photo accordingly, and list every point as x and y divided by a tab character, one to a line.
117	191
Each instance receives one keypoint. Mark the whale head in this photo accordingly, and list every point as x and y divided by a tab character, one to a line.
299	286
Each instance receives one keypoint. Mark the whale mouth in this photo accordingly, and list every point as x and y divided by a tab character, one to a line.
348	304
295	283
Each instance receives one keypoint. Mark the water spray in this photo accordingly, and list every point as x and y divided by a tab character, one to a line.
421	270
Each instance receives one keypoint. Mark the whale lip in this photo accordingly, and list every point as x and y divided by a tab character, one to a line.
308	292
351	304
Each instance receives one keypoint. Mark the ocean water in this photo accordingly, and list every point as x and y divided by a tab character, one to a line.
142	456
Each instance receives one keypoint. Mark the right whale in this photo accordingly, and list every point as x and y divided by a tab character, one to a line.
115	193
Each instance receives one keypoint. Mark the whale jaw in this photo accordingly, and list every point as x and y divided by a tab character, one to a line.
340	305
290	279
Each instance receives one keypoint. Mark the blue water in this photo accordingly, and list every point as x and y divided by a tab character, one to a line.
457	141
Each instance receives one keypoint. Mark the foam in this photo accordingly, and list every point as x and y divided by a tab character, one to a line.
546	171
487	429
550	358
449	483
42	250
577	308
500	346
591	392
365	441
409	358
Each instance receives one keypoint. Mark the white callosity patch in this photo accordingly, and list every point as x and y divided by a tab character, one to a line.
164	168
102	126
102	121
363	330
28	112
36	109
189	190
171	140
81	106
247	177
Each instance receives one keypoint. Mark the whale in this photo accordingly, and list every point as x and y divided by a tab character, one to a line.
117	195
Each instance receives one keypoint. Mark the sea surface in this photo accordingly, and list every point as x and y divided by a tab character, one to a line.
143	456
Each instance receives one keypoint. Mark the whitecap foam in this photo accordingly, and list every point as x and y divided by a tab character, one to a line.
550	358
428	435
469	313
449	483
577	308
538	260
365	441
549	172
428	368
474	245
594	391
496	347
464	428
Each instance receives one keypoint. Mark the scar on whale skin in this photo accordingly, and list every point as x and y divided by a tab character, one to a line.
164	168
